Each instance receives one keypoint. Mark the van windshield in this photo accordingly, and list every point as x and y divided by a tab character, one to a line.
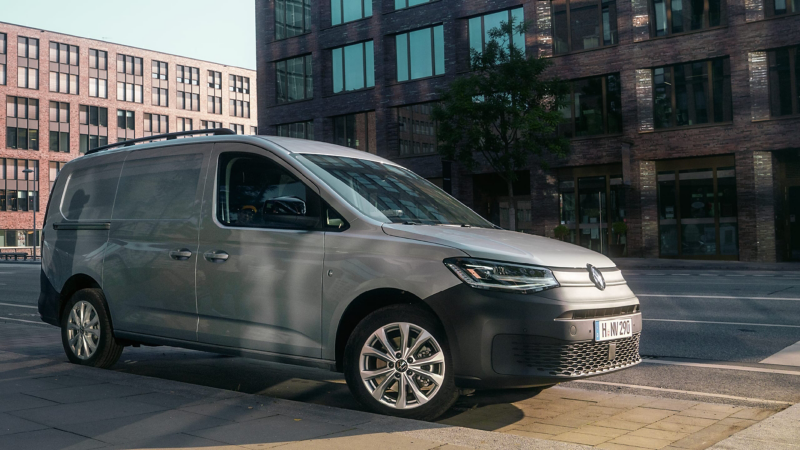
390	194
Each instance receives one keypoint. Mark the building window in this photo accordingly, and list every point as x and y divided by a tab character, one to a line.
593	107
239	108
155	124
188	81
781	7
293	79
55	169
3	51
684	15
98	73
184	124
400	4
22	123
343	11
187	100
126	125
692	93
292	18
254	131
420	53
59	127
187	75
94	127
63	68
210	125
159	96
19	191
784	81
479	28
416	131
355	131
239	84
159	70
301	130
27	63
584	24
214	80
353	67
214	105
129	79
238	129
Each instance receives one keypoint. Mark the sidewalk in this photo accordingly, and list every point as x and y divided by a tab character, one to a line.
690	264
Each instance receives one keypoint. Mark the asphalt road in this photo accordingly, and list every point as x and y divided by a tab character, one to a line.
704	337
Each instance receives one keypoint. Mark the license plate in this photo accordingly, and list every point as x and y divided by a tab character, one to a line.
606	330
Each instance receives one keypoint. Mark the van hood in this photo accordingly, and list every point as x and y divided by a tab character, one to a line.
502	245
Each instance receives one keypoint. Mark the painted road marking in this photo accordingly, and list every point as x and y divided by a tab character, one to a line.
16	305
725	323
790	356
724	366
678	391
20	320
721	297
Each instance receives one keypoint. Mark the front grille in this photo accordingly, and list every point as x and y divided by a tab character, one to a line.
538	356
599	313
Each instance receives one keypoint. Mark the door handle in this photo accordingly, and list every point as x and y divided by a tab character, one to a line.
216	256
181	255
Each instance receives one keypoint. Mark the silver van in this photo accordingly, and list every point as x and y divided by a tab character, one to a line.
309	253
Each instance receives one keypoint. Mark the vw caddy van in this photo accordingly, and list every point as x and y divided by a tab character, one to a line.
309	253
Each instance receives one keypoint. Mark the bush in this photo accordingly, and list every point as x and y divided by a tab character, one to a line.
561	232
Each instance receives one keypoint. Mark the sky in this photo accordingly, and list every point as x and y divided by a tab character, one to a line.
218	31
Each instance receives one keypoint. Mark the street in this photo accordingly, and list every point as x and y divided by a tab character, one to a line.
706	338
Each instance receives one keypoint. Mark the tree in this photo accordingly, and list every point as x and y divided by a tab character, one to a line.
503	113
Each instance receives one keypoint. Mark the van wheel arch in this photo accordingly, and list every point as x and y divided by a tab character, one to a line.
74	284
365	304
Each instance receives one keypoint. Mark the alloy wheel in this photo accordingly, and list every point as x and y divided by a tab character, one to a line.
83	330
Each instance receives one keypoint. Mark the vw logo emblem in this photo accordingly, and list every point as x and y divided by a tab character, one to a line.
596	277
402	366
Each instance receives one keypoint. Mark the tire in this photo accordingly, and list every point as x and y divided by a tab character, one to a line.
429	396
78	336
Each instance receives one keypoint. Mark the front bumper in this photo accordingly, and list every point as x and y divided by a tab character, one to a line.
503	340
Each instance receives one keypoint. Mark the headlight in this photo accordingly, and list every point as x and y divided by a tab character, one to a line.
509	277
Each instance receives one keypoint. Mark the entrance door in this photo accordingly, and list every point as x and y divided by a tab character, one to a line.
793	216
593	228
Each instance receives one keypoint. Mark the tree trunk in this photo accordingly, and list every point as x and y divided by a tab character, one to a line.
512	214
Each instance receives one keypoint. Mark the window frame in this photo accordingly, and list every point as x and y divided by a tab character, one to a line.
308	79
409	56
573	121
600	31
341	11
306	19
723	18
794	80
483	27
86	111
709	101
308	125
342	48
769	9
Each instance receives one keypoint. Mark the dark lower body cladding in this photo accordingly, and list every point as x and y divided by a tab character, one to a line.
49	301
502	340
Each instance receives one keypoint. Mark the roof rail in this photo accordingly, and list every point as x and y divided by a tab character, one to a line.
167	136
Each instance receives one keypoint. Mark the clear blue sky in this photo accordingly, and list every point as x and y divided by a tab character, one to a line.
213	30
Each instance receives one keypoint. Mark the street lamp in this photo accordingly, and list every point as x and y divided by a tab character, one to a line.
35	204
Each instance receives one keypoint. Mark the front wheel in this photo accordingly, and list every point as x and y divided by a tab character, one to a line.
397	362
86	331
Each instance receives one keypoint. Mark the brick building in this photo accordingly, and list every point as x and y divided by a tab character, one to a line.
684	116
65	94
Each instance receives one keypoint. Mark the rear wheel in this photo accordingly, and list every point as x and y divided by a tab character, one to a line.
397	362
86	331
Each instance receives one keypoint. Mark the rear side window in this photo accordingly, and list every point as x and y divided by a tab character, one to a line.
90	192
159	188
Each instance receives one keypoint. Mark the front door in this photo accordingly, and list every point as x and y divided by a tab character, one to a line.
259	276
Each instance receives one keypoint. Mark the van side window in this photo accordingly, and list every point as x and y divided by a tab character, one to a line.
159	188
254	191
90	192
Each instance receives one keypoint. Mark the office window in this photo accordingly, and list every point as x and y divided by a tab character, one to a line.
94	127
239	84
355	131
59	127
129	79
27	62
159	70
781	7
784	81
159	96
254	131
214	105
98	73
184	124
55	169
189	101
343	11
583	24
19	191
214	79
692	93
353	67
416	130
292	18
239	108
155	124
684	15
22	123
479	28
293	79
400	4
126	125
420	53
3	52
301	130
64	68
187	75
238	129
593	107
210	125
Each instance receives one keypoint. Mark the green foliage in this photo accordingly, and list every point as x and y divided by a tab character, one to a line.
561	232
504	112
619	228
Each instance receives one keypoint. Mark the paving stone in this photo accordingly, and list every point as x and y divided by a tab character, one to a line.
169	401
565	420
538	412
730	409
601	431
529	434
658	434
60	415
612	446
707	436
543	428
234	413
744	423
64	379
172	442
753	413
619	424
48	439
78	394
687	420
644	415
626	401
638	441
10	424
357	439
670	404
704	414
580	438
25	385
269	430
676	427
16	402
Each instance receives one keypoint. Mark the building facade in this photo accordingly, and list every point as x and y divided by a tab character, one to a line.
64	95
683	117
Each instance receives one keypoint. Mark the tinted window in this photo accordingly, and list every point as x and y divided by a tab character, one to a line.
159	188
90	192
